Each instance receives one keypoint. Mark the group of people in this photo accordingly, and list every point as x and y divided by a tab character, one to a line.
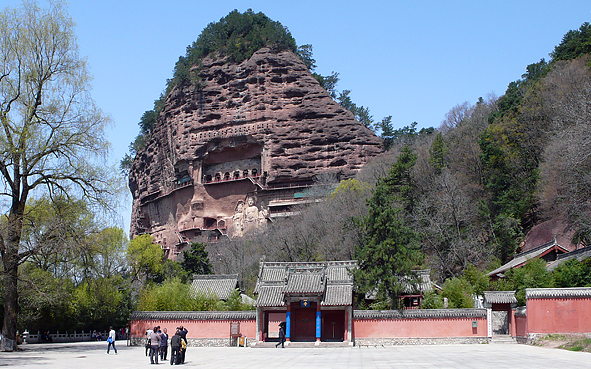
157	344
46	337
96	336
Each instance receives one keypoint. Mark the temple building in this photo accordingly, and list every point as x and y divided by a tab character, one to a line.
314	299
549	252
220	286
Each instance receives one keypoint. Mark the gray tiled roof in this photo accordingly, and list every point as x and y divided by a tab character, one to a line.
330	280
422	283
580	254
220	285
272	274
525	257
338	295
299	283
419	313
500	297
339	273
544	293
193	315
270	296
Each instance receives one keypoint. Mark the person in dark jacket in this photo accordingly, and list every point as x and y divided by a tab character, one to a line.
163	344
183	332
281	335
175	345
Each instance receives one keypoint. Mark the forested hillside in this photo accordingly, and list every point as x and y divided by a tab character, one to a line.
470	190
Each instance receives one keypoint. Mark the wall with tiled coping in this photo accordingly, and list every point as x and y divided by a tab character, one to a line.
554	310
369	327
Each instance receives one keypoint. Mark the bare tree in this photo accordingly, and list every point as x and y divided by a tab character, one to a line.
456	116
51	129
565	185
446	215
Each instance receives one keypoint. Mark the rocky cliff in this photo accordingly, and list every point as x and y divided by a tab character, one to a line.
238	147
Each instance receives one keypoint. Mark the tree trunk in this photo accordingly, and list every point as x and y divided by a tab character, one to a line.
11	262
8	342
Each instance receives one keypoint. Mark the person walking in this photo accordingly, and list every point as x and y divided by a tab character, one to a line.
154	346
127	336
148	335
163	344
175	346
111	340
281	335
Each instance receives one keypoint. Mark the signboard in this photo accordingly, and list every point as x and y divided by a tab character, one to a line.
234	329
304	303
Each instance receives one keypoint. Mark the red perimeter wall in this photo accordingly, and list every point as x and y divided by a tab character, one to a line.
419	328
558	315
196	328
520	326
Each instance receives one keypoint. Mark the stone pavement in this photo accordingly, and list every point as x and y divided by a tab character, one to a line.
91	355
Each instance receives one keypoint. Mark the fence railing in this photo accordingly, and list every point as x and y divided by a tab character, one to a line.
56	337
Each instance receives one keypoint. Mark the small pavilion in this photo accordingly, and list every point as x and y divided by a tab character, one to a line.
313	298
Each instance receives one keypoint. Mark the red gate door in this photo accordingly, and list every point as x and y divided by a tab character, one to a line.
333	325
303	324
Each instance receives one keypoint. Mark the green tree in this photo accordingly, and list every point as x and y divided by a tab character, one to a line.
51	128
391	248
361	113
196	260
387	131
574	44
478	280
146	258
237	36
432	300
531	275
573	273
56	230
458	292
173	295
438	153
44	299
305	52
328	82
101	302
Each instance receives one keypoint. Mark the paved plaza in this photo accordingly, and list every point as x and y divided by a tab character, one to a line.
91	355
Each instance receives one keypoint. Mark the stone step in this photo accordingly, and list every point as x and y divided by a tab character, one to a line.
302	344
506	339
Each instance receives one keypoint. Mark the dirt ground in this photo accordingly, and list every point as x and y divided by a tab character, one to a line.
571	342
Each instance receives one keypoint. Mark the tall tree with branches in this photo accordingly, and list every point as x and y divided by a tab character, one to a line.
52	139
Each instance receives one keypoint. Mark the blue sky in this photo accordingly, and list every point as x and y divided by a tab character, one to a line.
413	60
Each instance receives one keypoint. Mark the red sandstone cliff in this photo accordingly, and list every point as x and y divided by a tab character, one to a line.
240	148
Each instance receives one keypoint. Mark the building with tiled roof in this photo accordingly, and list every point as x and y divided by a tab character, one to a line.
580	255
219	285
415	287
548	251
314	298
